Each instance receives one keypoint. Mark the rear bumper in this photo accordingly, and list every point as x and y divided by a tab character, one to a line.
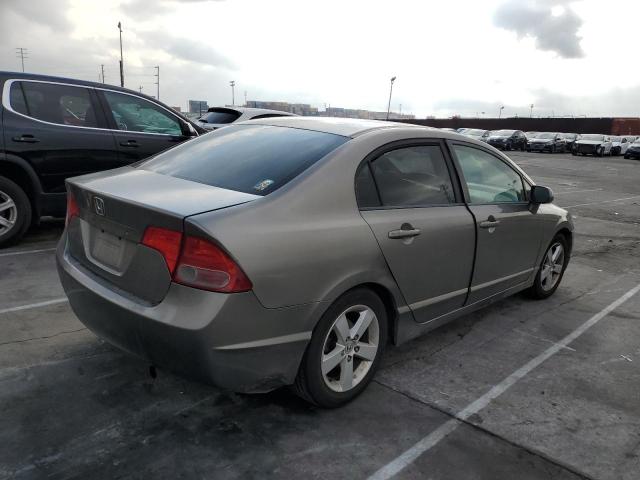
229	340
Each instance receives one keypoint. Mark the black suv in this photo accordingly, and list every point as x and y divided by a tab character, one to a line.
54	128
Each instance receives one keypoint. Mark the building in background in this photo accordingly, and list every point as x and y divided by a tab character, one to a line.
307	110
198	106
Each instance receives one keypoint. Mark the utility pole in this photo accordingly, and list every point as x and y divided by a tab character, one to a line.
22	53
400	112
233	92
245	98
500	111
102	70
140	88
531	111
393	79
157	75
121	57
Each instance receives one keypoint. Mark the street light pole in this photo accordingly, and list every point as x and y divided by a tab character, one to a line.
121	57
393	79
531	111
157	75
233	92
500	111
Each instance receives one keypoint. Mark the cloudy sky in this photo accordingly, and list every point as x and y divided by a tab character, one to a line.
450	57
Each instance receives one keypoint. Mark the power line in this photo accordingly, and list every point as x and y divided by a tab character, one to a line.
22	53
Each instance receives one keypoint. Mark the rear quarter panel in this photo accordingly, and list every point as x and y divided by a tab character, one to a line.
307	242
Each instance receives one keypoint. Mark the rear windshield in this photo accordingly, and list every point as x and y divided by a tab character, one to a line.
255	159
593	137
222	116
503	133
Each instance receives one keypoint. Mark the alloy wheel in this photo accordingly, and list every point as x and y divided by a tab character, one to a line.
8	213
552	266
350	348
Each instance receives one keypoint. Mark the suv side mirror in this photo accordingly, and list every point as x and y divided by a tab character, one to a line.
540	194
188	130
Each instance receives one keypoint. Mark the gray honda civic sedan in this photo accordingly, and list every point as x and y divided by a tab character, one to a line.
291	251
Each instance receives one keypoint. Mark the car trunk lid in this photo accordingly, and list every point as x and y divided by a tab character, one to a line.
115	210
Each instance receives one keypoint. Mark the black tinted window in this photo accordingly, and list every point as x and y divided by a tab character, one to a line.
413	176
223	116
53	103
366	193
254	159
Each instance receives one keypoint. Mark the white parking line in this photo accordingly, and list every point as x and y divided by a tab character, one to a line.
34	305
606	201
408	457
24	252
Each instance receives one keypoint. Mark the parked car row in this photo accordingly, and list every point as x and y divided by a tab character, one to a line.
556	142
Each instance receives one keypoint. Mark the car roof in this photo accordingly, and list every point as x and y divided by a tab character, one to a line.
347	127
251	111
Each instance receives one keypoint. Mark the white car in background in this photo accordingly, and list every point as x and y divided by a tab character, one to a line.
477	134
620	144
217	117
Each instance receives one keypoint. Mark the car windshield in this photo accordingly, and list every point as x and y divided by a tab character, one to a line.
474	132
616	139
569	136
593	137
502	133
532	134
255	159
546	135
220	116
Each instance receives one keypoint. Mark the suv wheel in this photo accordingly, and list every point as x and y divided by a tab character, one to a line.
344	351
15	212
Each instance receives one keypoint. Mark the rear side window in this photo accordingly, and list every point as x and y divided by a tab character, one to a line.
256	159
220	116
413	176
61	104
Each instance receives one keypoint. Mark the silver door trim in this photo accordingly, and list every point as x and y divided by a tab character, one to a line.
439	298
499	280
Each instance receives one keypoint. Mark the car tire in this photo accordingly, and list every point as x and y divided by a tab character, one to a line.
575	154
600	152
15	216
627	157
324	386
551	270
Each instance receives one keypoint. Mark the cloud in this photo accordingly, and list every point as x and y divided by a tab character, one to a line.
553	24
185	49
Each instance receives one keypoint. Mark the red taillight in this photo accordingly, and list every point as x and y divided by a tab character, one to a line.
205	265
166	241
72	208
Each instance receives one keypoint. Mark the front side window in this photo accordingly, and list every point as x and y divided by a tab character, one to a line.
49	102
488	179
255	159
413	176
135	114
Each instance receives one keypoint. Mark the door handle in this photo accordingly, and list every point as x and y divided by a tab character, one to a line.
129	143
25	139
404	233
490	222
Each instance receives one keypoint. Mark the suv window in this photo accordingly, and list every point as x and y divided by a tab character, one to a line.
489	179
413	176
255	159
136	114
50	102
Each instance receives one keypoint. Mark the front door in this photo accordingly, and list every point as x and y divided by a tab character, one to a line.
141	127
508	228
424	230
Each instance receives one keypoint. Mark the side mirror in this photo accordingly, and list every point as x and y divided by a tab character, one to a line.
190	131
540	194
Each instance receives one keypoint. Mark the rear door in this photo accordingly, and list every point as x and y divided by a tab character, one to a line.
59	129
141	128
508	228
407	196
